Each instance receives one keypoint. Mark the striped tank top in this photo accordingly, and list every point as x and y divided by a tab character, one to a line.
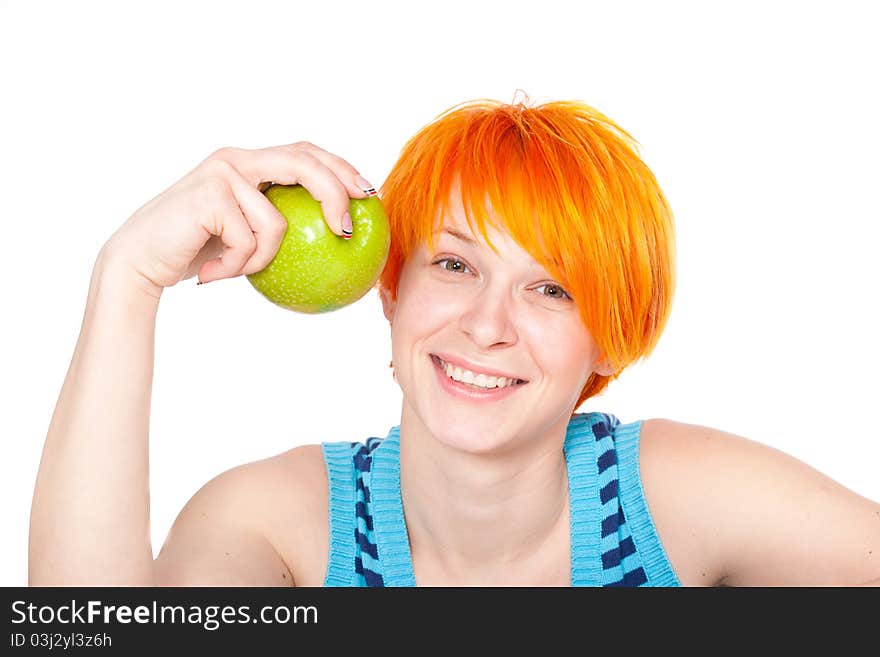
613	538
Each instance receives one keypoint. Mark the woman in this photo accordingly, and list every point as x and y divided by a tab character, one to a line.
528	243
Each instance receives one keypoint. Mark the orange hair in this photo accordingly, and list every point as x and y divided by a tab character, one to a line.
572	191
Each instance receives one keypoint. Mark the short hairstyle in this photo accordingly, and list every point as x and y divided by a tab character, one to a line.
571	190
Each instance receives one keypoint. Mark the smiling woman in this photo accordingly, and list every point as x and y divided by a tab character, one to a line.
531	261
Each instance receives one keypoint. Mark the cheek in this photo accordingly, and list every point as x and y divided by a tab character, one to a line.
565	347
420	312
425	302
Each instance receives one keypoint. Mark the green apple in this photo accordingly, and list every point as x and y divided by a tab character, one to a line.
315	270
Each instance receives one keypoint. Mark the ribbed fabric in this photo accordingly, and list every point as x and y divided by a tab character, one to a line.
613	539
392	539
584	508
632	496
341	479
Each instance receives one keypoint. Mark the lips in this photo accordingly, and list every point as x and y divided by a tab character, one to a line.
442	369
468	393
473	367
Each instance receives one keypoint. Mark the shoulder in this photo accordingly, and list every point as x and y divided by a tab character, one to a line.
694	484
671	473
292	487
746	513
296	475
257	524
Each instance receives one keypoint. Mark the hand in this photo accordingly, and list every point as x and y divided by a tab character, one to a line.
216	222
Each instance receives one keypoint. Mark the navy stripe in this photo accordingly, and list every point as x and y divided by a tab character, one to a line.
609	491
365	545
614	556
635	577
612	523
362	460
373	579
600	430
361	510
632	578
611	558
361	487
607	459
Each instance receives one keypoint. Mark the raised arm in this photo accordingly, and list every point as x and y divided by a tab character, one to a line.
90	518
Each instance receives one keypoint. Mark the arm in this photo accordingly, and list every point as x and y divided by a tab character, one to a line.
772	520
90	519
90	514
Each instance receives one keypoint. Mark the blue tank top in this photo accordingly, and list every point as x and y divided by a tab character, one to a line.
613	539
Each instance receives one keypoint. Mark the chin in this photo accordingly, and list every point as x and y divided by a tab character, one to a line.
472	436
463	426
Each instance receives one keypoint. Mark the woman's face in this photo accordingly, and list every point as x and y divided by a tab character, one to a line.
500	312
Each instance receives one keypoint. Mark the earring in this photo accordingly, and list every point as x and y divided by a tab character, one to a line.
393	371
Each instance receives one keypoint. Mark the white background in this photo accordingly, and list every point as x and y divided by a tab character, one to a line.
759	120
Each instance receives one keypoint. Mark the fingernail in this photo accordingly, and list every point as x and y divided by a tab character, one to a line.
365	185
346	225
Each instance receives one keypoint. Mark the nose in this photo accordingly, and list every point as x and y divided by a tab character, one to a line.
489	318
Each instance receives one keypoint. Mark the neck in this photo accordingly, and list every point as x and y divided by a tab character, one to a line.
472	516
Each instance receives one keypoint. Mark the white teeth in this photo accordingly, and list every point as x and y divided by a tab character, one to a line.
480	380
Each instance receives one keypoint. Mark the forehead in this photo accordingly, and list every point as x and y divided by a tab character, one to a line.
454	231
453	222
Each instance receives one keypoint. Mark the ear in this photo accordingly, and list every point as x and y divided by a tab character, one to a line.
388	306
602	368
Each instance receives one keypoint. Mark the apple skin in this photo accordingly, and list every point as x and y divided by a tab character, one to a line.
315	270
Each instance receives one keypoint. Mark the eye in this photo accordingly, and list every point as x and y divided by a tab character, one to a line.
562	294
454	260
553	286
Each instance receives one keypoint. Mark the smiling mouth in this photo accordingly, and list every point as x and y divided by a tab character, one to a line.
439	363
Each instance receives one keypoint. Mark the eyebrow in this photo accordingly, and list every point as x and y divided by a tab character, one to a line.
460	236
452	232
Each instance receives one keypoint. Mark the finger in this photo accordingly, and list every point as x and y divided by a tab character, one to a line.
266	223
294	166
347	174
239	243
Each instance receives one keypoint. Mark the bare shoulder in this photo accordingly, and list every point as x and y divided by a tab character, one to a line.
730	510
260	523
672	479
294	489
